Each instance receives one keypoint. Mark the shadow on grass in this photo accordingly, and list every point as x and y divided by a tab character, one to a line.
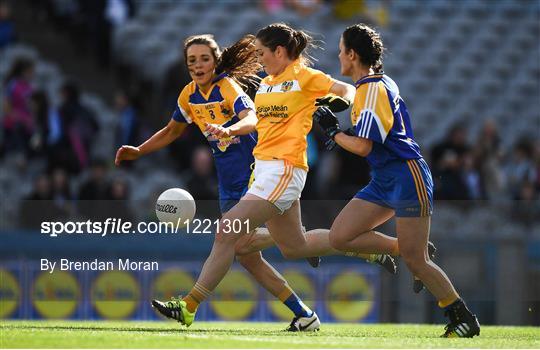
180	331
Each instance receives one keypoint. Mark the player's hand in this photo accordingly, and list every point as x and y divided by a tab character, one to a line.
217	130
334	103
127	153
330	144
328	121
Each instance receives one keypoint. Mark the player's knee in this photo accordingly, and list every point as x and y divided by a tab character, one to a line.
337	241
240	249
290	253
250	261
223	238
414	259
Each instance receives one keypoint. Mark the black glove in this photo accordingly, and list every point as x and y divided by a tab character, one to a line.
350	132
328	121
335	103
330	144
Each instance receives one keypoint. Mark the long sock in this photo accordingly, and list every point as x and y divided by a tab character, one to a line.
195	297
293	302
395	249
448	301
368	257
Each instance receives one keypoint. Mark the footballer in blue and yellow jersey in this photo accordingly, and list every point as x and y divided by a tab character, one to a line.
221	105
400	176
380	115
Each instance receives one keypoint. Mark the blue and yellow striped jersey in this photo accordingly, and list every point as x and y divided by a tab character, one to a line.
233	155
380	115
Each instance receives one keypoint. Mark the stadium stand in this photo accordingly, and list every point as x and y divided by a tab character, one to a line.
471	63
480	78
449	69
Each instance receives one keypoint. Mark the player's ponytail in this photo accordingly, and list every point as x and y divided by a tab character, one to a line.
367	44
240	62
301	41
296	42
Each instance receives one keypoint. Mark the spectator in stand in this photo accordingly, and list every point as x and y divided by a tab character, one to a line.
526	208
95	188
98	18
17	120
7	28
448	179
305	8
80	129
454	142
61	191
201	182
118	195
127	129
42	189
447	159
175	79
488	156
200	179
349	9
537	166
520	168
472	178
39	206
48	128
272	6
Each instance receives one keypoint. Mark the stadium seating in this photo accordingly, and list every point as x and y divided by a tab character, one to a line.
475	41
490	69
49	78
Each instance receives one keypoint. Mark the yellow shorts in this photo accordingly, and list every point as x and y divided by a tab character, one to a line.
278	182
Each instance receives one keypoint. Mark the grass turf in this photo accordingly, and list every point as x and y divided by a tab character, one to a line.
107	334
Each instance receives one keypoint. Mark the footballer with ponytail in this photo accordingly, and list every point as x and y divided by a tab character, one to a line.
401	183
284	103
239	61
215	99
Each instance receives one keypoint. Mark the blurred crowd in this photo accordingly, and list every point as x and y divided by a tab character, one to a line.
63	134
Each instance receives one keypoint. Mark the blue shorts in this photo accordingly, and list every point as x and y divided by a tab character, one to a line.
227	200
226	204
404	185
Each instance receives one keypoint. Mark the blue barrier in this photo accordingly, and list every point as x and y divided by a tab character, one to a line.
338	292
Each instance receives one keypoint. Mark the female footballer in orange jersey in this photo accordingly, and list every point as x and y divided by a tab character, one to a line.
401	183
285	102
215	96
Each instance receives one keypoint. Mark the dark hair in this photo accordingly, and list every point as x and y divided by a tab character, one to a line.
367	43
19	67
239	60
41	101
296	42
71	90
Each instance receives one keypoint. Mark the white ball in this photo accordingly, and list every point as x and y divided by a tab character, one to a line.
175	206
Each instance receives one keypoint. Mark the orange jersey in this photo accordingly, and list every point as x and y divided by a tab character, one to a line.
285	105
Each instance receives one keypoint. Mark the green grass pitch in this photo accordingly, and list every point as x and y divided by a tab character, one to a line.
106	334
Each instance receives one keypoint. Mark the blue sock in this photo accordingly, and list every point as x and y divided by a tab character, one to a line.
296	305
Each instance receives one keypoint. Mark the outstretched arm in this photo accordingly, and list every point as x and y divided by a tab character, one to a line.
156	142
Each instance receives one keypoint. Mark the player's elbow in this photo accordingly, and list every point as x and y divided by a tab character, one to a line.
364	147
